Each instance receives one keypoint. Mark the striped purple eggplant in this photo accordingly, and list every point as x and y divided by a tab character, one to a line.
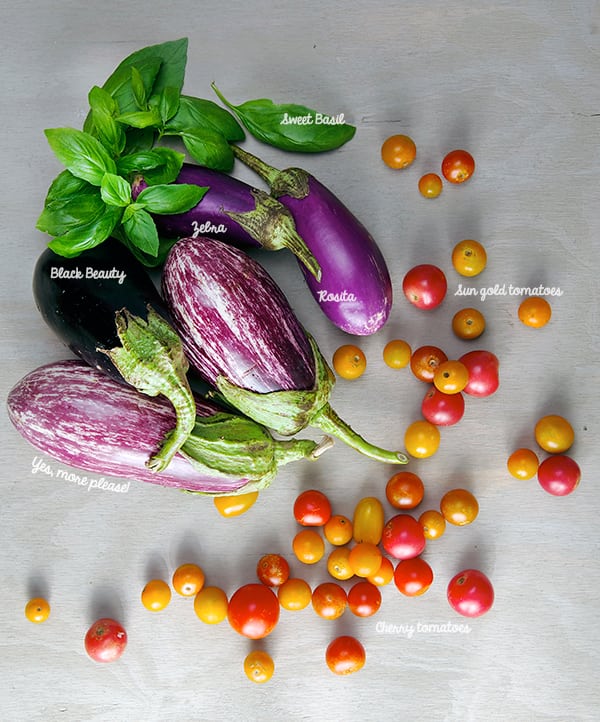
235	212
355	289
241	335
79	416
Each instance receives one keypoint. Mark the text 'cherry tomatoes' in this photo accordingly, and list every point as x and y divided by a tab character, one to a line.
105	640
345	655
559	475
253	611
425	286
470	593
403	537
312	508
398	151
458	166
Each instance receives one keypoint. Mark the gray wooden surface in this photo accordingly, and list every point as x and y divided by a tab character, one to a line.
517	83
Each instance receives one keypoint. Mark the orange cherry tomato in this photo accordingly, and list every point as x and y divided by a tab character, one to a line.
365	559
188	580
413	577
554	434
469	258
468	323
534	311
430	185
383	575
349	361
294	595
396	354
210	605
345	655
329	600
156	595
259	666
37	610
422	439
364	599
236	504
338	530
404	490
338	564
308	546
425	360
458	166
272	570
451	377
459	507
398	151
523	464
433	523
367	525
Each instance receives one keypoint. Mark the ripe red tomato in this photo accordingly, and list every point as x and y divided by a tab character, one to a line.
442	409
559	475
329	600
364	599
425	286
470	593
458	166
413	577
312	508
403	537
425	360
405	490
345	655
272	570
483	368
253	611
105	640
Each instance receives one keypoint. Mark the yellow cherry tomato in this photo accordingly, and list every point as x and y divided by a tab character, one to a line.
523	464
422	439
459	507
349	361
451	377
468	323
37	610
236	504
368	521
156	595
398	151
338	530
554	434
294	595
365	559
534	311
308	546
188	580
430	185
383	575
338	563
210	605
397	353
433	523
469	258
259	666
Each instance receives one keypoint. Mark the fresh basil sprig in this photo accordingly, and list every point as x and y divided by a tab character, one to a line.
290	126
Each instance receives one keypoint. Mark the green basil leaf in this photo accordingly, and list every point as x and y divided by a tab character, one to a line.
85	236
195	113
115	191
136	162
108	131
168	171
168	199
290	126
138	139
208	148
140	230
66	186
168	103
164	246
138	88
141	118
81	153
100	100
70	202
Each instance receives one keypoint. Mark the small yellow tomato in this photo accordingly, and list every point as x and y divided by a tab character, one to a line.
259	666
37	610
368	522
433	523
554	434
383	575
422	439
188	580
210	605
294	595
308	546
365	559
236	504
451	377
430	185
349	361
397	353
338	564
469	258
338	530
156	595
523	464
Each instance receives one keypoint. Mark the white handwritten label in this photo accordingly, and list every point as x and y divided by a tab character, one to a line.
97	274
208	228
325	296
310	119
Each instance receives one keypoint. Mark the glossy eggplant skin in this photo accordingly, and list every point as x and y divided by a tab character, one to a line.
79	297
233	319
79	416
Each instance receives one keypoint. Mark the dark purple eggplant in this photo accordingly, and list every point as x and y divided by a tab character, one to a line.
233	211
355	289
107	310
81	417
240	333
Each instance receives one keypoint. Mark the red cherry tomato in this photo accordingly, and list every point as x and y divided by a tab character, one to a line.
483	373
413	577
559	475
253	611
364	599
425	286
345	655
273	570
442	409
425	361
458	166
329	600
105	640
470	593
312	508
403	537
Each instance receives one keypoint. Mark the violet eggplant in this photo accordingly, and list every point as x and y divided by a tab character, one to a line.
355	289
106	309
233	211
240	333
81	417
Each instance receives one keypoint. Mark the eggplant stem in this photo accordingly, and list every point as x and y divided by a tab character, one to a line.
267	172
328	421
